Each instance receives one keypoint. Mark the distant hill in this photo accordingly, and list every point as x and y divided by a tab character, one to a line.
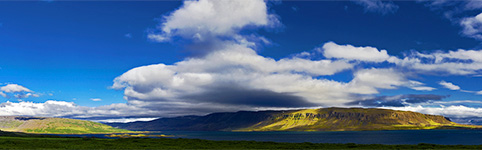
325	119
54	126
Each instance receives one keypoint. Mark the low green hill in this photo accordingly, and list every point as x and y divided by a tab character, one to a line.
55	126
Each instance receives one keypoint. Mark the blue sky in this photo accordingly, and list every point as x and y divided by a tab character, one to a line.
168	58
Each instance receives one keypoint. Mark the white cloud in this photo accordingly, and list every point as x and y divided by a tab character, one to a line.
460	62
49	108
419	86
456	12
157	37
13	88
479	93
449	85
52	108
349	52
423	88
17	91
205	18
377	6
472	26
96	99
369	80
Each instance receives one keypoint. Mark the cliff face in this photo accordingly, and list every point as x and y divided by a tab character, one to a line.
325	119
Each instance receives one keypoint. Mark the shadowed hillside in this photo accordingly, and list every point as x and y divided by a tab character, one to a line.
212	122
54	125
325	119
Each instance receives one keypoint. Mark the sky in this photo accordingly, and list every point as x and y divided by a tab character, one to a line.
122	61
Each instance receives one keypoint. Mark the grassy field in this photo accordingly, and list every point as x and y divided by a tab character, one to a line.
167	143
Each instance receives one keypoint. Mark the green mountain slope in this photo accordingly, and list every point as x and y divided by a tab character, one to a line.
324	119
54	126
352	119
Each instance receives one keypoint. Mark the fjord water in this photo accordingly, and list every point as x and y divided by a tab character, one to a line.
445	137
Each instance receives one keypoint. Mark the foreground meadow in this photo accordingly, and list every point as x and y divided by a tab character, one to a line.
39	142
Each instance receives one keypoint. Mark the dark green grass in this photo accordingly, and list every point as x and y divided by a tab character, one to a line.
167	143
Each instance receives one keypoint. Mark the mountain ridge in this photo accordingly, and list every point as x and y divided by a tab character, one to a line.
323	119
48	125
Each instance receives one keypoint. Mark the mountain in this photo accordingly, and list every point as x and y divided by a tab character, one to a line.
213	122
324	119
54	126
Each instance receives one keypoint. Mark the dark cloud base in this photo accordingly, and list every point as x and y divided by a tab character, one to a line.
236	95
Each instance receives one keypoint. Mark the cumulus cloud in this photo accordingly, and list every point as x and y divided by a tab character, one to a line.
472	26
17	91
449	85
205	19
238	66
13	88
219	78
367	81
349	52
215	80
378	6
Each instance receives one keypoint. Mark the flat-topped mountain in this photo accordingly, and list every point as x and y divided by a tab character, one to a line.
54	125
324	119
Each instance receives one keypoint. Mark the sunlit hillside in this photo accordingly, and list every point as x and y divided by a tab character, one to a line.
54	126
347	119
